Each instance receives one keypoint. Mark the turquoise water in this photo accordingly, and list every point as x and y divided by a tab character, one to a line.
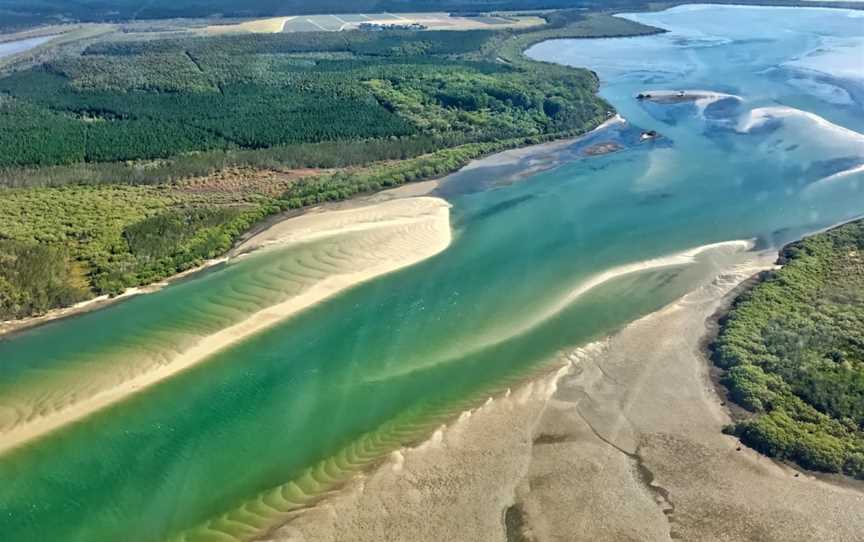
227	448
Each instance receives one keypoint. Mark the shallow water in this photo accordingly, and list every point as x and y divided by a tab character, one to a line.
297	409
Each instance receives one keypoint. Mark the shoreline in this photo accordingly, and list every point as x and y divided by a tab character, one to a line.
606	431
9	328
243	246
680	258
404	232
301	501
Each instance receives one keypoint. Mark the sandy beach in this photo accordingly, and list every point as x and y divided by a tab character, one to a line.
623	443
248	244
387	236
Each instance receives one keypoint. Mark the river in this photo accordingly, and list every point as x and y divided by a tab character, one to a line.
765	144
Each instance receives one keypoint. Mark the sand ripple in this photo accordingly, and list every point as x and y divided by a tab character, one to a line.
324	253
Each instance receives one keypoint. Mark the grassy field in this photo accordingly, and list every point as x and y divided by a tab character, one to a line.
793	349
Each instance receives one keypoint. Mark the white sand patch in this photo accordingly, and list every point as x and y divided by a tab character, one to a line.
833	180
760	116
700	98
837	57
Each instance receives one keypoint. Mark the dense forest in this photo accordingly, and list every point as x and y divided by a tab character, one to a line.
159	98
793	349
113	157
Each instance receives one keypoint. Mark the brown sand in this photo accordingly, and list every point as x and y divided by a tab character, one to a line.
629	447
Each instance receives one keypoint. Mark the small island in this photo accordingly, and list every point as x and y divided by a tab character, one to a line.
648	135
669	97
604	147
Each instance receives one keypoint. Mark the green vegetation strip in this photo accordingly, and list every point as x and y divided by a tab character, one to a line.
793	347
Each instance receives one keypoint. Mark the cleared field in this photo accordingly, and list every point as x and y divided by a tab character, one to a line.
337	22
305	24
271	25
325	22
354	18
443	21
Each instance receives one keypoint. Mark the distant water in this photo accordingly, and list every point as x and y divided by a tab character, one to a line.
226	448
15	47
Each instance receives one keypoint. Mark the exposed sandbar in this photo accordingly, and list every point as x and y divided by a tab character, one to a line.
680	96
684	257
513	156
393	234
624	444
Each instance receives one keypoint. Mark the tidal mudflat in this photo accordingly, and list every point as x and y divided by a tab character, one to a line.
623	443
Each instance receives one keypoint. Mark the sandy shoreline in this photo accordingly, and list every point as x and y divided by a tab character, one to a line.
9	327
398	207
400	232
624	444
581	288
248	242
512	156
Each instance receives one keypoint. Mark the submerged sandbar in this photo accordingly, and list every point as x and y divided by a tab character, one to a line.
387	236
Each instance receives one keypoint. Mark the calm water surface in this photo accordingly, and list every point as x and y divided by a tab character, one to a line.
228	447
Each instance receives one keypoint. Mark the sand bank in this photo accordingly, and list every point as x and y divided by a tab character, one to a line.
395	234
762	115
520	154
675	96
685	257
700	98
834	179
624	444
410	190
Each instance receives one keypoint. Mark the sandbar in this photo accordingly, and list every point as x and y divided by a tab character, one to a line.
395	234
623	442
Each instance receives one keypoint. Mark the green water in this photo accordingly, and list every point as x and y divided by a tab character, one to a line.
225	449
